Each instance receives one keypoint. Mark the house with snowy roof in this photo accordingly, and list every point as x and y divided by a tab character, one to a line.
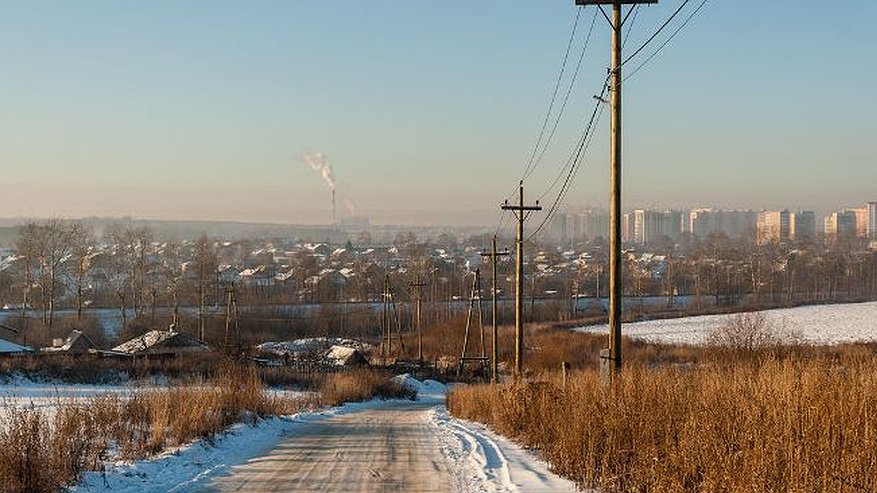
75	343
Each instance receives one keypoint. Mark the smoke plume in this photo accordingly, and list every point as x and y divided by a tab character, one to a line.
320	164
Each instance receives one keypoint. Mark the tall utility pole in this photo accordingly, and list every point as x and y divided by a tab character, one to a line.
522	212
612	357
494	257
386	344
419	285
231	318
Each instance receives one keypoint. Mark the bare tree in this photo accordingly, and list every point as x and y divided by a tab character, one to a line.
132	247
47	246
206	263
82	242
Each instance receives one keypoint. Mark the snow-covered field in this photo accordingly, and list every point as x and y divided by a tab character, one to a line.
478	460
818	324
21	392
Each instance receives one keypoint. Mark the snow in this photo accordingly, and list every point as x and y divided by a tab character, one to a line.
816	324
19	392
301	347
190	467
480	460
145	341
427	390
486	462
11	347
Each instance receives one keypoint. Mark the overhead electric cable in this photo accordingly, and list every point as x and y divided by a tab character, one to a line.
553	99
666	41
656	33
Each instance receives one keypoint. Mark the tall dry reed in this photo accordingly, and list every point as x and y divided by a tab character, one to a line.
40	453
796	424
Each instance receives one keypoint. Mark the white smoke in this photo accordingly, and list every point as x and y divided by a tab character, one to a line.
320	164
349	205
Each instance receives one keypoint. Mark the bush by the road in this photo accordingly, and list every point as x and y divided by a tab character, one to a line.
362	385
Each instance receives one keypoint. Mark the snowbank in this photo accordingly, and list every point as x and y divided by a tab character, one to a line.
426	390
485	462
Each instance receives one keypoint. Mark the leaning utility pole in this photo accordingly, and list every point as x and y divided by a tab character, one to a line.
419	285
612	357
494	256
522	212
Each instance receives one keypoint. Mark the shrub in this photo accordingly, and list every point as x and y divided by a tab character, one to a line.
362	385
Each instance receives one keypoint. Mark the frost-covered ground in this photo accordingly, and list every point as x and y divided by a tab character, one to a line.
477	459
818	324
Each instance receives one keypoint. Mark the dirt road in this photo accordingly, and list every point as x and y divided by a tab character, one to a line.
389	448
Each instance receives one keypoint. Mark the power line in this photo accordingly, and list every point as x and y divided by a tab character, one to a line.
566	97
667	41
656	33
576	158
632	15
569	43
635	11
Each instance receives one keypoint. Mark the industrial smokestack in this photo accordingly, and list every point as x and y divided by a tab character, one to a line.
319	163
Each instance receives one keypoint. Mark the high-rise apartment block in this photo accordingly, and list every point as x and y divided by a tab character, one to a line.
861	221
840	224
645	227
775	226
872	220
703	222
804	224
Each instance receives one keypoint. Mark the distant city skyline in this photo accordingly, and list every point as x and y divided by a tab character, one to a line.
426	112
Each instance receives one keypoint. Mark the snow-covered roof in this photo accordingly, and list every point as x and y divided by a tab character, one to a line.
11	347
303	346
154	338
70	342
343	355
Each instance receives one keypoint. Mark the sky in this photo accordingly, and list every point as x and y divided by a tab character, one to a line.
427	111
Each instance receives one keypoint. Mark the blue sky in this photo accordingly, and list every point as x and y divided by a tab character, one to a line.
427	110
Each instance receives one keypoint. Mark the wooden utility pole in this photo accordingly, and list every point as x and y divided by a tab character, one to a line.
612	357
231	318
417	307
385	319
522	212
494	257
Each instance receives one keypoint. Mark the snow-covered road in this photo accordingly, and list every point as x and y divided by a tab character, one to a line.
376	446
391	447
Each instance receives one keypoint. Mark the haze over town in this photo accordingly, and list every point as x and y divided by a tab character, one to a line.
177	112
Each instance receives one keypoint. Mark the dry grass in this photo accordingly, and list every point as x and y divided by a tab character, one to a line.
361	385
796	424
41	453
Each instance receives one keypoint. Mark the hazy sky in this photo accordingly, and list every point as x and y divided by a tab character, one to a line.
427	111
